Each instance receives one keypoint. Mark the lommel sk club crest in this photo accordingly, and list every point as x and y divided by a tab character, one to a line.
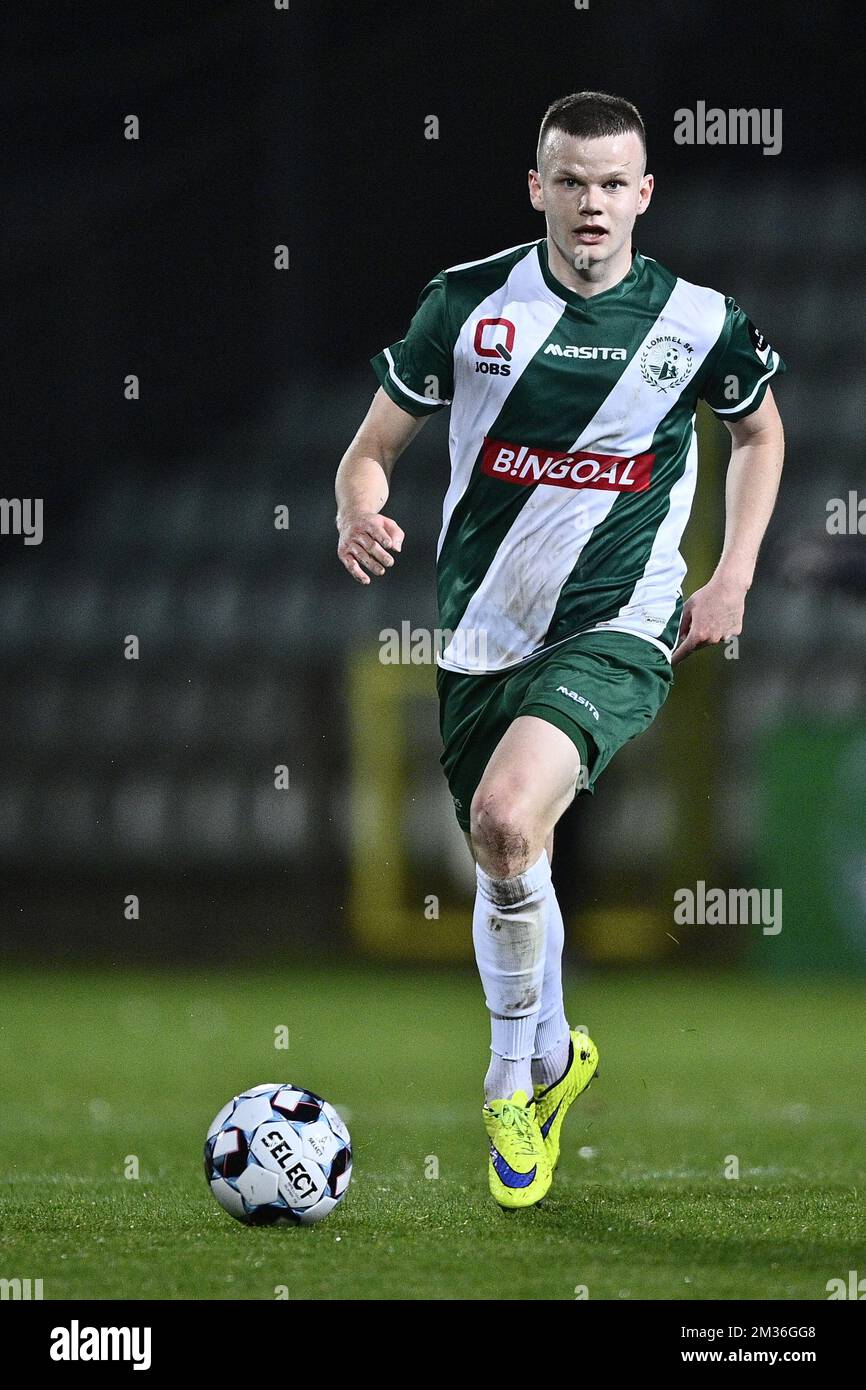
666	362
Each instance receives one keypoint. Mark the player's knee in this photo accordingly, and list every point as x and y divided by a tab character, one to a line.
503	835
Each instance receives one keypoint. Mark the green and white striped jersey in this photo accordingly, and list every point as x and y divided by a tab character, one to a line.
572	441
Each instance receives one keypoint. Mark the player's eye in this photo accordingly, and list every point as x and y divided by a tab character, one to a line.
613	183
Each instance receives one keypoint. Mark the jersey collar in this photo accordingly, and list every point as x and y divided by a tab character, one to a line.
577	301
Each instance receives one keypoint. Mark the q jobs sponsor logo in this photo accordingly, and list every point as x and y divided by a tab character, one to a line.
494	339
526	465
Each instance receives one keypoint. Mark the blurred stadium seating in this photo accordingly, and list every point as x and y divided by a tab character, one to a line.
160	771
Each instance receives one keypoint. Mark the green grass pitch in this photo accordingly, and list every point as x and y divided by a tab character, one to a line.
100	1066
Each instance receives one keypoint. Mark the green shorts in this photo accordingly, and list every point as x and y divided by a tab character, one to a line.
599	688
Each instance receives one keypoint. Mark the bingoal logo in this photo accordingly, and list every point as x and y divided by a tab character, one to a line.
526	465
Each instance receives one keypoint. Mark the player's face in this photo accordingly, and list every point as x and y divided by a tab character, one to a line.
591	192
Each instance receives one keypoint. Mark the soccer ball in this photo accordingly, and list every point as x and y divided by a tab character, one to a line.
278	1156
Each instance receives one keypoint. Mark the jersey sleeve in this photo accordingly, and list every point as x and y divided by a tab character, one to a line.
738	378
418	371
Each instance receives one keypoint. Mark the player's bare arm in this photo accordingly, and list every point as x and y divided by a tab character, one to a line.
367	538
714	613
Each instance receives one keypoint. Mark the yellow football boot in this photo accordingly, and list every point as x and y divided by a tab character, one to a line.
552	1102
519	1171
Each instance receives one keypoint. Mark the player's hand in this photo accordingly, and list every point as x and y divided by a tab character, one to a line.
369	540
712	614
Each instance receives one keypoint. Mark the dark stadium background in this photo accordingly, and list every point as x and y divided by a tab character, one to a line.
262	127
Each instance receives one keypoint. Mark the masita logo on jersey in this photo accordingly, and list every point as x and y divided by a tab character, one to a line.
584	352
494	338
527	464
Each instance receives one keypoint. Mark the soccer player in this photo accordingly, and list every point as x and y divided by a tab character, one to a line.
573	366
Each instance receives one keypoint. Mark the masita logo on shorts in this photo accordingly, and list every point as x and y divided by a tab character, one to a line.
578	699
527	464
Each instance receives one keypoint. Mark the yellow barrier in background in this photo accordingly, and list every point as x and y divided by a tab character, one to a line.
385	921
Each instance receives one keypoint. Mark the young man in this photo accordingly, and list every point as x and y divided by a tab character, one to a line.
573	365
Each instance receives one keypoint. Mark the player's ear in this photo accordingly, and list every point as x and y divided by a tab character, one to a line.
647	184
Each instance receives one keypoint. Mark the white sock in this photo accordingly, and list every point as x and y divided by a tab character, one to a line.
552	1035
508	932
